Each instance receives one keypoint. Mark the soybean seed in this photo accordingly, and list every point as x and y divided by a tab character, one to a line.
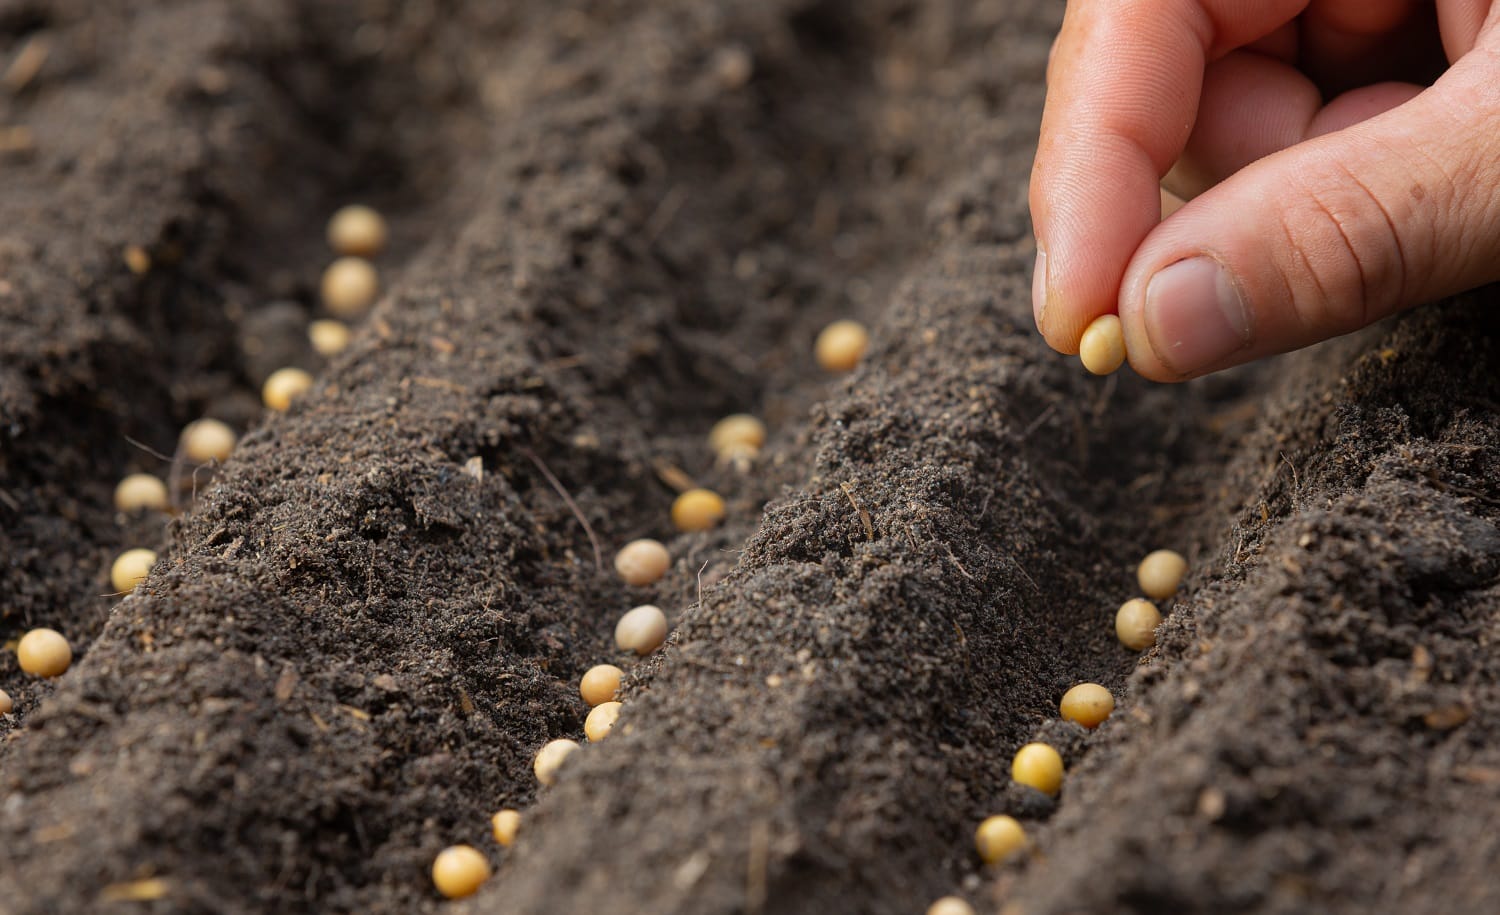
1160	573
697	510
1088	704
282	386
349	287
997	838
459	870
600	683
950	905
1102	347
642	562
739	429
328	337
44	653
207	440
642	629
1136	622
505	824
141	490
357	230
130	569
841	345
596	726
550	757
6	706
1038	766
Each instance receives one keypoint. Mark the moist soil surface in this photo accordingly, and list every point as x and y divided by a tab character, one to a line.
612	224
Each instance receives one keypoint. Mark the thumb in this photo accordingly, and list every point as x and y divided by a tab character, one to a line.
1326	236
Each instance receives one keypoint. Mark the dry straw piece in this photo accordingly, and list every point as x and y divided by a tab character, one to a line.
1102	347
841	345
141	491
284	385
1088	704
44	653
1136	622
459	870
328	337
1161	573
600	683
207	440
642	562
642	629
997	838
131	568
596	726
504	825
349	287
1038	766
550	758
697	510
357	230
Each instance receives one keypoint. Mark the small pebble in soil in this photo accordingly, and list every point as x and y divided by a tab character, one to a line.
596	726
642	629
1038	766
207	440
357	230
1102	347
1160	573
950	905
697	510
282	386
738	430
459	870
505	824
841	345
642	562
130	569
1088	704
6	706
141	491
44	653
1136	622
997	838
550	757
328	337
349	287
600	683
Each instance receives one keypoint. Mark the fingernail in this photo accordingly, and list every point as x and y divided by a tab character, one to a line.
1039	287
1194	315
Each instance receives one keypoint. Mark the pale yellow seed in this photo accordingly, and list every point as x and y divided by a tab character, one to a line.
284	385
550	757
130	569
44	653
1136	622
141	491
596	726
459	871
841	345
737	430
642	562
950	905
642	629
1038	766
697	510
1161	573
1088	704
137	259
6	706
505	824
997	838
207	440
357	230
328	337
600	683
350	285
1102	347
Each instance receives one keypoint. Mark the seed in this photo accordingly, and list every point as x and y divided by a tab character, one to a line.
642	562
642	629
550	757
328	337
459	870
1102	347
950	905
1088	704
207	440
739	429
841	345
130	569
1038	766
504	824
137	260
1136	622
6	706
44	653
999	837
1160	573
141	490
350	286
282	386
596	726
357	230
697	510
600	683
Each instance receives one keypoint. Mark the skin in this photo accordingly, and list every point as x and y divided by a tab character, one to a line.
1340	158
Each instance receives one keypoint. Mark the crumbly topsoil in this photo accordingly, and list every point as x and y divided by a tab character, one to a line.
614	223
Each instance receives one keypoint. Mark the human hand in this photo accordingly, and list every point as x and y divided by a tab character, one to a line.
1306	220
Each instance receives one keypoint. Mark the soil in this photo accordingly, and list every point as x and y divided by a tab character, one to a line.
612	224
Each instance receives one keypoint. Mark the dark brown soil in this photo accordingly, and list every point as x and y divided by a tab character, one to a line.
614	223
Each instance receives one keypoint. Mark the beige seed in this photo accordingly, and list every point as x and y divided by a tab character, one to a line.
1102	347
207	440
641	630
550	757
1136	622
999	837
1088	704
600	683
459	870
137	259
697	510
284	385
950	905
505	825
6	706
841	345
642	562
349	287
1160	573
357	230
596	726
130	569
1038	766
738	430
328	337
141	491
44	653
